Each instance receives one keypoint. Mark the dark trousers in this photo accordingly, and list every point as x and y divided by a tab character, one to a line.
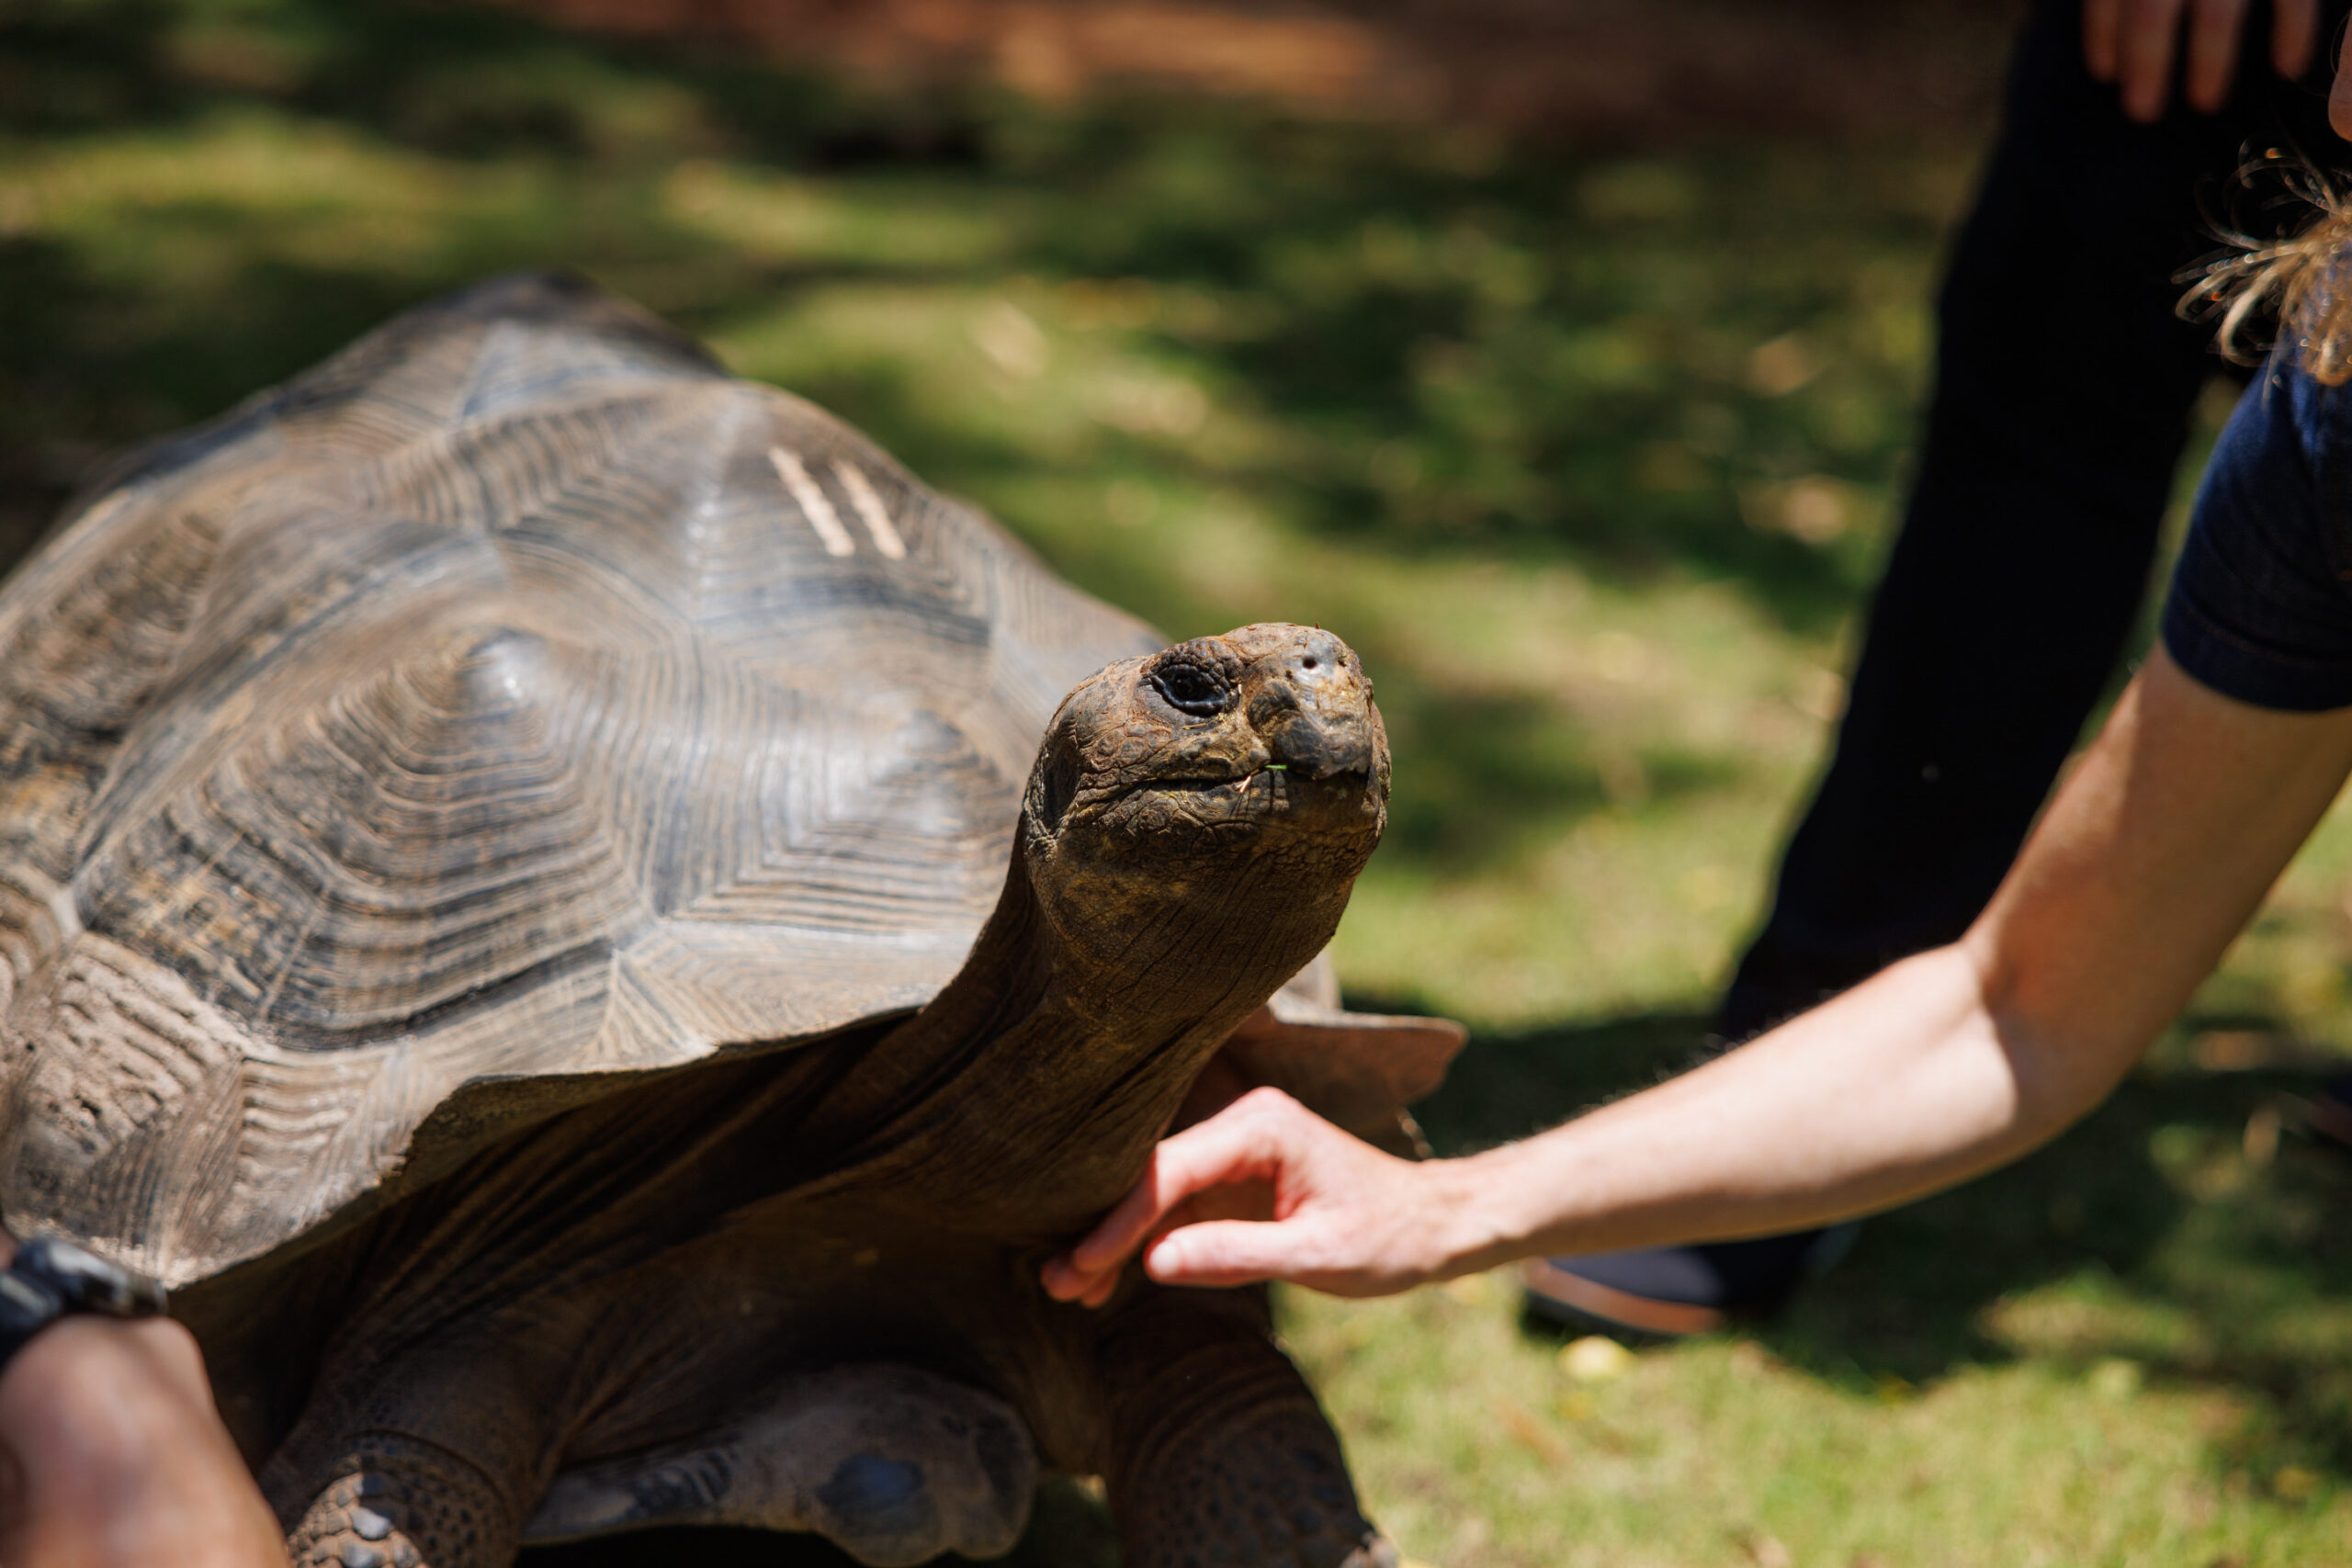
2063	386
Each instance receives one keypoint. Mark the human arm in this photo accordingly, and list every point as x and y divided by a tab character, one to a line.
111	1454
2155	852
2134	42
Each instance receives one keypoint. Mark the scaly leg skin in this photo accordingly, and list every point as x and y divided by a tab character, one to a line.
427	1461
1219	1455
394	1501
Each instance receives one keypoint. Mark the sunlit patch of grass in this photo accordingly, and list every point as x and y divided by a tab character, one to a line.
1719	1451
761	215
205	204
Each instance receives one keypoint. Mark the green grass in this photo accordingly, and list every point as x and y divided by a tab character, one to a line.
1591	455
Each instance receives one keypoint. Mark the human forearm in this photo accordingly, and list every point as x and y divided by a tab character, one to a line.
2154	856
1907	1083
111	1453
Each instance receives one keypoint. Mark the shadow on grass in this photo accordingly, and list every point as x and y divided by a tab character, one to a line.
1067	1529
2161	1230
1539	356
1441	361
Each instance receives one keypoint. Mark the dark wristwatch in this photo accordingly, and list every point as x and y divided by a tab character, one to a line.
48	1278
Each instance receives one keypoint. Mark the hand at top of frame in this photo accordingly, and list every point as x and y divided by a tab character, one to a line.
1266	1189
2134	43
112	1454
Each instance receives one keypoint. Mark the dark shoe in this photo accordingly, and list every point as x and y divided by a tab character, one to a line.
1672	1291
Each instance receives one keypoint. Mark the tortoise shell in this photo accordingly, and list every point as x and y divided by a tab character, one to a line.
515	701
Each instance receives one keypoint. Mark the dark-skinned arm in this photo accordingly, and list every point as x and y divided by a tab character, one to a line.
112	1454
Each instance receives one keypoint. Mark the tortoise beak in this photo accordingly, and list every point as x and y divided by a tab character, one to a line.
1309	702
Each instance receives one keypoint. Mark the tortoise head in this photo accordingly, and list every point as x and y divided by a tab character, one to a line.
1196	817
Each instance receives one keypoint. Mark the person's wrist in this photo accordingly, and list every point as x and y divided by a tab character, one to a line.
85	1463
1473	1228
1513	1203
47	1279
84	1382
117	1455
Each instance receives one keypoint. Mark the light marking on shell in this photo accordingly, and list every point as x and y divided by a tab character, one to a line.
870	510
813	503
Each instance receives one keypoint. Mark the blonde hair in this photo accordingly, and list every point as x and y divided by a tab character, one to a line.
2300	281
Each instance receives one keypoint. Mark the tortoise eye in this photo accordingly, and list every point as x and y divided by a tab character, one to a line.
1192	689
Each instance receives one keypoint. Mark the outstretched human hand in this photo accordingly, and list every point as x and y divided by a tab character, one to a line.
111	1454
1267	1189
2134	42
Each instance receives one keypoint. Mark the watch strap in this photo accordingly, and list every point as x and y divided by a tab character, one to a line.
49	1278
85	1281
27	1306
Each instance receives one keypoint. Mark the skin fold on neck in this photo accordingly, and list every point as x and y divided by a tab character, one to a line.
1036	1082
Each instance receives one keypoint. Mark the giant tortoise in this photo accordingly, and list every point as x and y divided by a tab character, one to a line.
558	899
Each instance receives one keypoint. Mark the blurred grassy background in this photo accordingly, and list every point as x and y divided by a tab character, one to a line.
1589	441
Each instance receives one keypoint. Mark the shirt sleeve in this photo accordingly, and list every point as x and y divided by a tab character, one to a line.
2261	607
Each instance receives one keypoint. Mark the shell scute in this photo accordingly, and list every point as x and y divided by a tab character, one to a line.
484	714
67	711
414	837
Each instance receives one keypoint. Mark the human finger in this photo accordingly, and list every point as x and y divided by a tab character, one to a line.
2102	24
2294	37
2213	30
2339	96
1245	1142
1092	1286
1086	1271
2144	55
1230	1146
1251	1201
1089	1285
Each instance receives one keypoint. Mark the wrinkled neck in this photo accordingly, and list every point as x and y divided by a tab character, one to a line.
1007	979
1033	1093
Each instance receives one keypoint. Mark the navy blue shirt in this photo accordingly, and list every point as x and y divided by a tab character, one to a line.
2261	602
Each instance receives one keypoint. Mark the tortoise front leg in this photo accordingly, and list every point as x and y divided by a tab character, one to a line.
1219	1456
428	1463
392	1501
